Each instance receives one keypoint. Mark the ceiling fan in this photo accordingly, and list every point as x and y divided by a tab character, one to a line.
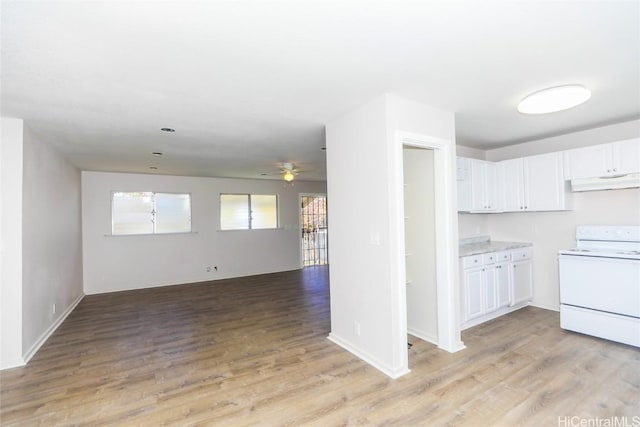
288	171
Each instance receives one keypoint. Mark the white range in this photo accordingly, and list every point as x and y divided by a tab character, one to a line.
600	283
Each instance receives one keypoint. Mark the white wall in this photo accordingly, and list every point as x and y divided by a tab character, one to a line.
11	242
470	225
600	135
358	216
472	153
51	240
553	231
114	263
364	256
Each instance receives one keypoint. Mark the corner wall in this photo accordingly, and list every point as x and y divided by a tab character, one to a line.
51	241
11	243
366	314
115	263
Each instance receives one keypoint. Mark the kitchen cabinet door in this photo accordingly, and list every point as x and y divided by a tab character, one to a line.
587	162
502	284
463	171
521	281
626	155
510	177
490	289
491	186
483	186
544	185
473	293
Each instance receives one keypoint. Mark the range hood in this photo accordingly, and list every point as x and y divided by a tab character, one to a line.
606	183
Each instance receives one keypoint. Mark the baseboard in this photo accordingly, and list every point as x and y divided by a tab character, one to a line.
493	315
392	373
557	309
15	363
45	336
430	338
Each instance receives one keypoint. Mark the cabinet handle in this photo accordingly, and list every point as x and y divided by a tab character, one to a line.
521	207
526	207
614	169
608	170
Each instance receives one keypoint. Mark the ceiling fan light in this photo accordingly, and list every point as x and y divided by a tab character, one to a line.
554	99
288	176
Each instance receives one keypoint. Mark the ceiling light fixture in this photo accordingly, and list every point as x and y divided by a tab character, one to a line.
167	130
554	99
288	176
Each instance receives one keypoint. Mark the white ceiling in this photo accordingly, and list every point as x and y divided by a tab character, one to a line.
248	84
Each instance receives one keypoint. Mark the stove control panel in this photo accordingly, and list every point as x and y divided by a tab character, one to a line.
619	233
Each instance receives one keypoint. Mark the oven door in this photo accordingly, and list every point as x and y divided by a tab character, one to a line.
605	284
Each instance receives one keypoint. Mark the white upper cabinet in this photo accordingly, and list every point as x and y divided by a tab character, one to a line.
511	185
484	195
617	158
477	185
544	185
626	156
534	183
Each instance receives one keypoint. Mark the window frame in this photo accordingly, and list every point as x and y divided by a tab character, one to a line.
249	205
153	214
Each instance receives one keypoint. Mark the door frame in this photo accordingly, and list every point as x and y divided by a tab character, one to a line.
299	231
446	223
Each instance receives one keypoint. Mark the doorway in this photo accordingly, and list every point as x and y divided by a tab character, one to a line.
314	230
446	241
420	243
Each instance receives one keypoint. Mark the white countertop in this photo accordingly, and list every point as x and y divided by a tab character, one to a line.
483	244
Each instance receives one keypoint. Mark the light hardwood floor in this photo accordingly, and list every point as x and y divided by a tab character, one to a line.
253	351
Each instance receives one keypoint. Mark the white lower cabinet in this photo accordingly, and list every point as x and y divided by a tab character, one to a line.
474	290
520	272
502	281
494	284
490	289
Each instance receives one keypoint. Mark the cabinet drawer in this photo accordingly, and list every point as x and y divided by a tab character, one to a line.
489	258
522	253
472	261
503	256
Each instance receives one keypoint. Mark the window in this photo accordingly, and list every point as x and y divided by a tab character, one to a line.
146	212
248	211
